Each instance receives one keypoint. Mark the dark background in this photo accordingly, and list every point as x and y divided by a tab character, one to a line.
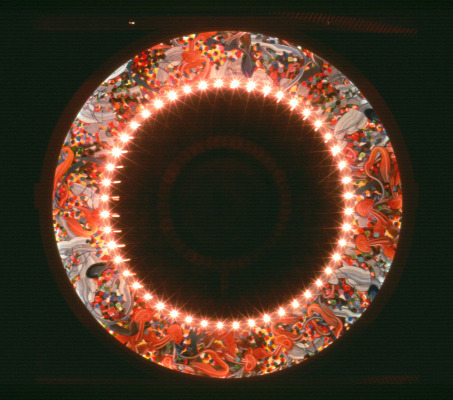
49	53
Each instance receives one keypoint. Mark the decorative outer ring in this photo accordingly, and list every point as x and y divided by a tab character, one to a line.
408	180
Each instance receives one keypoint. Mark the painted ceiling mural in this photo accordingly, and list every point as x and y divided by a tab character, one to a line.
86	225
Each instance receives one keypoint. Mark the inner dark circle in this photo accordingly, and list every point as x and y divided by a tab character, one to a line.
229	205
224	204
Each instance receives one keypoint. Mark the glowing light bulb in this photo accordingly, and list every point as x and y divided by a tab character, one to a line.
342	242
234	84
349	211
266	318
104	197
328	136
187	89
306	113
107	229
348	195
295	303
145	114
318	124
293	103
346	180
346	227
251	323
202	85
342	165
204	323
110	167
118	259
174	313
106	182
158	103
116	152
136	285
279	95
266	90
235	325
336	257
126	273
250	86
218	83
134	125
328	270
172	95
335	150
147	296
124	138
188	319
219	325
319	283
105	214
160	306
307	294
111	245
281	312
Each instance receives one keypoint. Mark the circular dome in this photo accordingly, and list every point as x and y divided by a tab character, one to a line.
184	225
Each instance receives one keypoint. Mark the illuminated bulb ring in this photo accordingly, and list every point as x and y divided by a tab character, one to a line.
365	247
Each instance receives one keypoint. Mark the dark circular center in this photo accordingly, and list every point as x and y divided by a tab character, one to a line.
224	204
229	204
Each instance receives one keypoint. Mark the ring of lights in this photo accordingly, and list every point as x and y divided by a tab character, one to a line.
85	192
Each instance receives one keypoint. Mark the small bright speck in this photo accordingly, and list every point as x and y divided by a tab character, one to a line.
336	257
104	197
107	229
160	306
335	150
124	138
218	83
116	152
172	95
174	313
136	285
318	123
342	165
111	245
342	242
145	113
347	227
235	325
307	294
266	90
266	318
105	214
202	85
187	89
188	319
328	136
348	195
251	322
204	323
281	312
279	95
250	86
328	270
147	296
348	211
118	259
319	282
134	125
346	179
306	112
295	304
219	325
126	273
234	84
158	103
